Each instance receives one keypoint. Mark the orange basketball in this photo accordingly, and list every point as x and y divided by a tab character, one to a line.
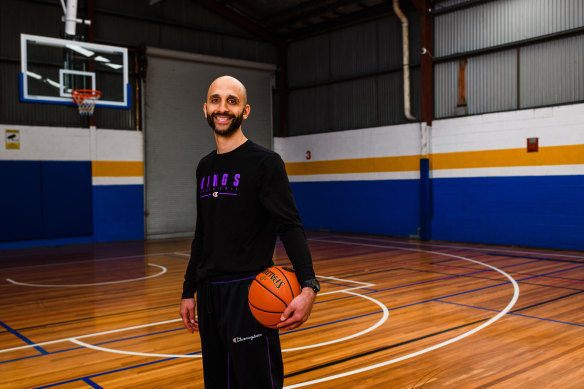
271	292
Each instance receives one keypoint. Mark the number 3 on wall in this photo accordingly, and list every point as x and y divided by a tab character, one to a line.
308	154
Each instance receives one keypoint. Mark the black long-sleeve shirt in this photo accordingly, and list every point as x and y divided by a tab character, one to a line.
244	201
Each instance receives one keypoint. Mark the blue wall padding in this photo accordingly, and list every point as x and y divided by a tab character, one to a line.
67	199
388	207
425	199
21	200
118	212
523	211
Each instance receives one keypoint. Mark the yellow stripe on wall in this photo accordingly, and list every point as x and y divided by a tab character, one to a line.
117	168
553	155
358	165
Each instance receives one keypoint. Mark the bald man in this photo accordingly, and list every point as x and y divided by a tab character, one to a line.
244	201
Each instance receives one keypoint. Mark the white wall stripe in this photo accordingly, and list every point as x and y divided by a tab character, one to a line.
97	181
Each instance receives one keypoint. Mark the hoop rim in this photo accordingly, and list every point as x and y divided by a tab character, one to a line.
85	93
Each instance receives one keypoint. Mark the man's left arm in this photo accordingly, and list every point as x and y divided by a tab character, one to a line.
278	199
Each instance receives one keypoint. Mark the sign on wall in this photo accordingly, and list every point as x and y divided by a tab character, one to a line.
13	139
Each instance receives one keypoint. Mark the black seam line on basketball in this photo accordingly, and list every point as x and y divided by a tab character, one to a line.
287	281
536	258
275	295
259	309
380	349
95	317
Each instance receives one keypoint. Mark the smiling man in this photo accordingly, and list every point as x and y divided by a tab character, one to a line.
244	201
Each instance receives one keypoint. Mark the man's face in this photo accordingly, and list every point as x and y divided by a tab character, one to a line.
225	108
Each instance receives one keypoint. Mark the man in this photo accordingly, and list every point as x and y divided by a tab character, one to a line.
243	201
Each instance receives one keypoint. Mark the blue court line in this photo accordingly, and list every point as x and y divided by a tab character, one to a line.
97	344
23	338
515	314
91	383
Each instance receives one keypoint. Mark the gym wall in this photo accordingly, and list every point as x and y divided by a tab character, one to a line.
485	186
67	185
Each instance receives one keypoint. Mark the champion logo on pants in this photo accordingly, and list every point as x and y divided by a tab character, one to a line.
238	339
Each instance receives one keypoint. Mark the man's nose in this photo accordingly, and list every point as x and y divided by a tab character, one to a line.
223	106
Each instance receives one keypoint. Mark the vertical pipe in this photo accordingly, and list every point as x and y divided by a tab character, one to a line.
406	59
71	17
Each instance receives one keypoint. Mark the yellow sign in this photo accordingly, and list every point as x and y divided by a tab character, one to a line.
13	139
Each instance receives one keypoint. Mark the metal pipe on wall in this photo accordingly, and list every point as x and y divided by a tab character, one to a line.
406	59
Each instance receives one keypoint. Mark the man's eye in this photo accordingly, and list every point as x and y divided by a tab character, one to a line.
232	101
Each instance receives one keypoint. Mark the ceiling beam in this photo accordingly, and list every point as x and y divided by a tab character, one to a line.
241	21
304	11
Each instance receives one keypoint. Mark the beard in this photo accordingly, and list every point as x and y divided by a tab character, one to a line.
235	123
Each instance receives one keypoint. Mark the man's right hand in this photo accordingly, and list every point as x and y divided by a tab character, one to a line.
187	312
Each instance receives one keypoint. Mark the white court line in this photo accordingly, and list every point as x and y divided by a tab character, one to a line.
77	341
94	284
92	261
431	348
363	285
110	350
380	322
89	335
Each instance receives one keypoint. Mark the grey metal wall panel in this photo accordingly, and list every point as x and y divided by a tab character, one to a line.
309	110
308	61
390	98
552	72
354	50
505	21
353	77
491	82
177	136
445	89
389	45
354	104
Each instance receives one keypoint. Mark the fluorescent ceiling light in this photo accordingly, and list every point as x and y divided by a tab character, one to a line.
53	83
113	65
34	75
99	58
81	50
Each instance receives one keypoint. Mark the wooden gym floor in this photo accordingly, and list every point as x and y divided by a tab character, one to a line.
392	313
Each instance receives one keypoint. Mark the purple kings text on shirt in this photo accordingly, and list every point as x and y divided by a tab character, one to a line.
227	183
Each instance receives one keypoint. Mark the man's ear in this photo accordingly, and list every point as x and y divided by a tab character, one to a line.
205	109
246	111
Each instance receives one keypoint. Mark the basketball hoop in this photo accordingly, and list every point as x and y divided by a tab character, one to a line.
85	100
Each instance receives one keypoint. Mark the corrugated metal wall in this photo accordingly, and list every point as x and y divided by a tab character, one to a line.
179	25
538	61
552	72
504	21
352	77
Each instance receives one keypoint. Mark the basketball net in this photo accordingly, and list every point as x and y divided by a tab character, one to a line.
85	100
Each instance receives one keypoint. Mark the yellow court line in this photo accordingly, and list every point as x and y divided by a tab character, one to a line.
546	156
117	168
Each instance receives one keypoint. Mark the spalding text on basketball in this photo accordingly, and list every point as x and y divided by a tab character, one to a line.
277	281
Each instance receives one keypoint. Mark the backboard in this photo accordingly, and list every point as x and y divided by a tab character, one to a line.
51	68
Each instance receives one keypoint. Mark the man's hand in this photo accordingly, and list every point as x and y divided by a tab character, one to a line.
298	311
187	312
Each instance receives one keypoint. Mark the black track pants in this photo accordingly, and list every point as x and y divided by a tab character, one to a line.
238	352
